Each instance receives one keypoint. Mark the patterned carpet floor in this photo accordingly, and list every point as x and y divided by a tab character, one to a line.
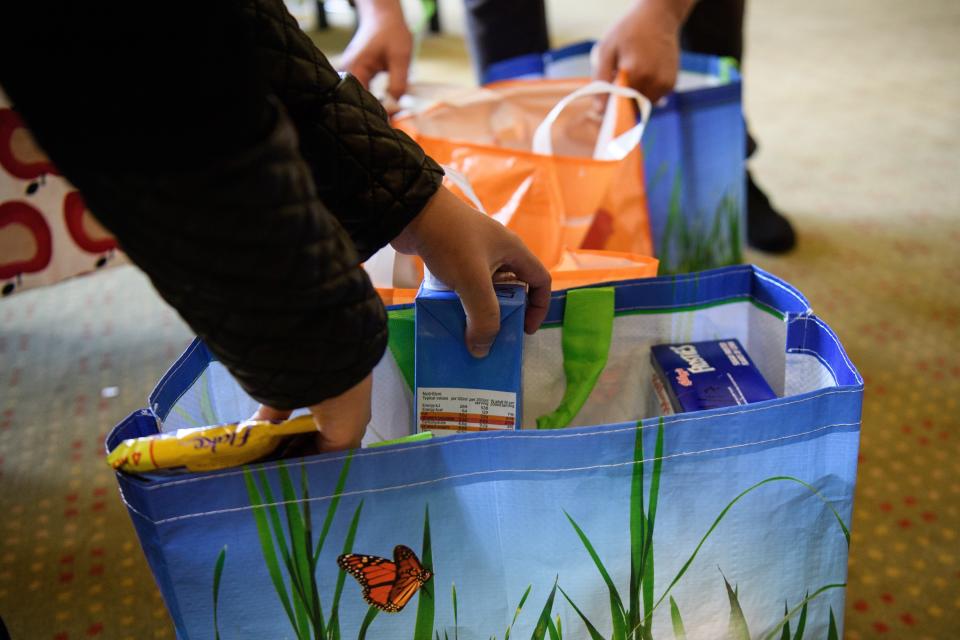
857	107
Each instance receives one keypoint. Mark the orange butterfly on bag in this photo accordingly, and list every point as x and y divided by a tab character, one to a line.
387	585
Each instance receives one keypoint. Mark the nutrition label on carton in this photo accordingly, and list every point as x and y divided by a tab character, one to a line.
465	409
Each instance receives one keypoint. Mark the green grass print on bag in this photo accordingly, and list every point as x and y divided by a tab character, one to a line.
688	245
635	624
287	547
291	555
291	548
297	556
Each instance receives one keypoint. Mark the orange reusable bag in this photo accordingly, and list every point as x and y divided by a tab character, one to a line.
582	267
543	163
577	268
396	275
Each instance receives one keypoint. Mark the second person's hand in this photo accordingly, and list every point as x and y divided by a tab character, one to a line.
382	43
644	45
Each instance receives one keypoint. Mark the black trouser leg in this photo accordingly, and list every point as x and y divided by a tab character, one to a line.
503	29
715	27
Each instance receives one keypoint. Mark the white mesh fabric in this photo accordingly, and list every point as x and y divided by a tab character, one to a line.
392	403
805	373
624	392
215	398
186	412
766	344
229	401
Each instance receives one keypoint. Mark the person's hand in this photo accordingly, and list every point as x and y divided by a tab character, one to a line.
341	420
382	43
464	248
644	45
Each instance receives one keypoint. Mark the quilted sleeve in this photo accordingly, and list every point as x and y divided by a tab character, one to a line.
256	265
181	153
374	178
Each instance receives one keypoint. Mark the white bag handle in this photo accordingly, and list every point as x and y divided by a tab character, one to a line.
615	149
504	215
463	183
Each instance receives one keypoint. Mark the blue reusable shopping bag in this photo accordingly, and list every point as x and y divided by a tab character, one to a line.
693	148
723	523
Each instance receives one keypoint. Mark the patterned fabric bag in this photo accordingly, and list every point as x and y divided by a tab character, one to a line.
693	155
730	522
544	164
46	232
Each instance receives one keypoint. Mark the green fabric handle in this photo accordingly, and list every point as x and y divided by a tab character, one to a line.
401	331
587	333
416	437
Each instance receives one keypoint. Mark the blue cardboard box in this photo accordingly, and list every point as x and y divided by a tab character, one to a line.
454	391
695	376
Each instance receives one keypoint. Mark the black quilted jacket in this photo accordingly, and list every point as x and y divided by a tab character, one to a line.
236	167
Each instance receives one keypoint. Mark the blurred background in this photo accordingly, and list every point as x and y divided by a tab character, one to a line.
857	109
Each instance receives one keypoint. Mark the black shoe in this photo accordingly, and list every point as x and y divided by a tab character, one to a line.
767	230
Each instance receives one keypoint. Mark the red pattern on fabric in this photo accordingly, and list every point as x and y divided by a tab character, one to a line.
26	217
74	212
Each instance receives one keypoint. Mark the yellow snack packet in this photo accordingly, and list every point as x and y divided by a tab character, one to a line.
206	448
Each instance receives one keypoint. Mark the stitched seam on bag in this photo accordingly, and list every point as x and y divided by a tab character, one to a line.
487	472
733	298
684	279
840	348
781	285
725	274
176	368
445	442
164	419
172	373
